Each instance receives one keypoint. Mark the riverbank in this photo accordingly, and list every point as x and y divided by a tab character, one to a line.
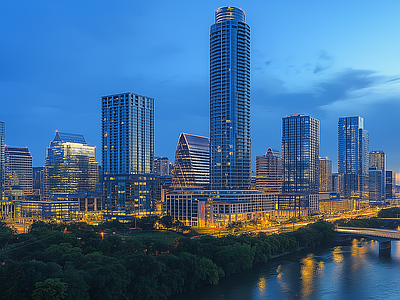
88	265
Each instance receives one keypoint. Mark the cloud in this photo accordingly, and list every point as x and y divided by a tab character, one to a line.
338	90
325	61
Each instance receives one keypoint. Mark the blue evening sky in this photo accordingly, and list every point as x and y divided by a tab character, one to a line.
327	59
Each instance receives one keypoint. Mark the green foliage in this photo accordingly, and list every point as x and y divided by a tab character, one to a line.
58	261
50	289
363	223
389	213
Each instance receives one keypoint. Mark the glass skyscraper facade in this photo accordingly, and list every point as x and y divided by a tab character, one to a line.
230	100
325	175
377	159
161	166
18	172
353	158
2	144
300	159
127	134
70	166
269	172
300	152
192	162
127	155
390	184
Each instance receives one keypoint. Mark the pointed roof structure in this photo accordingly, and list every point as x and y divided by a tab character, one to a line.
192	162
70	138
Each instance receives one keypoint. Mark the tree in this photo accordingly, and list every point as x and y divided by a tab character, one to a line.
50	289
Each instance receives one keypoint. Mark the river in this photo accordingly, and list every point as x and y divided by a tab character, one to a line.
352	271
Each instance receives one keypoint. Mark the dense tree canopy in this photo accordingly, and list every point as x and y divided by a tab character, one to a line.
76	261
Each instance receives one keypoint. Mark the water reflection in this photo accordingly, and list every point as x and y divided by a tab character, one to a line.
337	254
349	271
262	285
310	270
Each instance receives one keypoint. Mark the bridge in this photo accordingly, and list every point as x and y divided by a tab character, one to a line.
383	236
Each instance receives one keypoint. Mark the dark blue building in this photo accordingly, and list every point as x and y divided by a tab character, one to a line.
353	158
300	158
230	100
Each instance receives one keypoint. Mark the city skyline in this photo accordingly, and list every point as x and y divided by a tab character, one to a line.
303	61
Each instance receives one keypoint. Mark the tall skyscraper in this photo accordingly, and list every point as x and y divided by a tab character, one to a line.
390	184
127	134
2	145
353	158
325	175
269	172
127	155
192	162
377	159
70	165
375	183
300	153
230	100
18	172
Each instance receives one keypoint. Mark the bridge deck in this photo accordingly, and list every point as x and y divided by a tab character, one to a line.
384	233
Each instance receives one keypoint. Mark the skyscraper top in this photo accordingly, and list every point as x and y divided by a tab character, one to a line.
229	13
70	138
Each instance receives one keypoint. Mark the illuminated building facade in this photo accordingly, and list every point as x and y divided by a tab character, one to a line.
375	185
269	172
325	174
126	195
70	165
192	162
2	145
218	208
390	182
127	134
377	159
127	147
300	153
161	166
48	210
230	100
18	172
353	158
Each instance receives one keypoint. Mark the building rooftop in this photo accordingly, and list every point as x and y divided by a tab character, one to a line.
70	138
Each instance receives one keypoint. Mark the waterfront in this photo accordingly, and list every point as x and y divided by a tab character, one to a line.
350	271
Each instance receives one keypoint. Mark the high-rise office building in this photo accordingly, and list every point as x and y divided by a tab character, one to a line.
325	175
300	153
127	154
2	145
269	172
375	182
192	162
353	158
70	166
390	184
18	172
127	134
230	100
161	166
377	159
335	182
38	178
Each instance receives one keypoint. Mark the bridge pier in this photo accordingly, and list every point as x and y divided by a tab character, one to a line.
385	245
